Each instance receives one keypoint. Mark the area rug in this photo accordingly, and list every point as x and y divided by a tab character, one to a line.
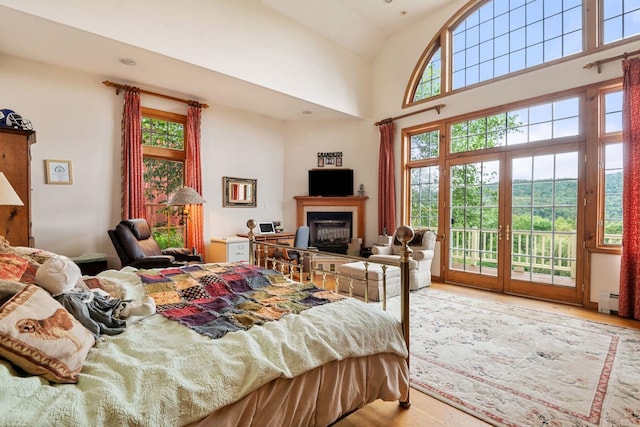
513	366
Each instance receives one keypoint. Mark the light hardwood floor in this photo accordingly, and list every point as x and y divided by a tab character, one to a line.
429	412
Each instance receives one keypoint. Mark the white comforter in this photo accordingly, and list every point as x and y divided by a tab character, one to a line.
160	373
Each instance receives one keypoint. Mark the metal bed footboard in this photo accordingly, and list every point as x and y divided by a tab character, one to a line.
262	253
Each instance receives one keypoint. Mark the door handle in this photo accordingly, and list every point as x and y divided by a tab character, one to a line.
508	232
500	232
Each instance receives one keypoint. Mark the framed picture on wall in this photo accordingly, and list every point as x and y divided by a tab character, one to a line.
58	172
339	162
320	162
330	161
239	192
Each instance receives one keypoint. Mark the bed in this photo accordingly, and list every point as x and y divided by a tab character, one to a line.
302	365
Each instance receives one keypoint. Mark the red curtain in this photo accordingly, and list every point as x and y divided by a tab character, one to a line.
386	181
629	299
193	176
132	179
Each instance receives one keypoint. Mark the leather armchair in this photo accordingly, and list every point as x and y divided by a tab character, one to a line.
136	247
423	245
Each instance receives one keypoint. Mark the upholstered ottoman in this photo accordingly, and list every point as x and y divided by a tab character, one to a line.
356	270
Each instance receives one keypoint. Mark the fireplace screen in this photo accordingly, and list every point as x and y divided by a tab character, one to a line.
330	231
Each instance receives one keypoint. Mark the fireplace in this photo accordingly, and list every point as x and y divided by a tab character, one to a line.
345	210
330	231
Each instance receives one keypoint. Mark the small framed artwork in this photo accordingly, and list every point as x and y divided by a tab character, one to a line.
239	192
330	160
339	162
320	162
58	172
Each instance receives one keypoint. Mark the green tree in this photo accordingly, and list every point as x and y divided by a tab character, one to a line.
472	185
162	178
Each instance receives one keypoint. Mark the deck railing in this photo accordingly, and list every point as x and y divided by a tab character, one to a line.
530	251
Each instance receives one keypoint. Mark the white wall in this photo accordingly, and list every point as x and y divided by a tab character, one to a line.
605	274
77	118
358	140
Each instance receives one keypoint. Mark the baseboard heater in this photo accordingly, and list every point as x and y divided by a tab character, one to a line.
608	303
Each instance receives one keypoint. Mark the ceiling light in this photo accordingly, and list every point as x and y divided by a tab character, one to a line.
127	61
306	112
388	1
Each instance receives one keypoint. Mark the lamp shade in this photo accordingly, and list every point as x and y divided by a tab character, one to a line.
8	195
186	196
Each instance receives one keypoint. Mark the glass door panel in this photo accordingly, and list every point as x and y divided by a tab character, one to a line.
543	231
474	230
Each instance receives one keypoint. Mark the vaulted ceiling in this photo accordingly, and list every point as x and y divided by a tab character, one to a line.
359	26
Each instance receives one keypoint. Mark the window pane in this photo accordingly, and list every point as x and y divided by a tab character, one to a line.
612	8
429	84
425	145
515	27
613	112
162	133
612	220
612	29
424	197
162	177
621	19
537	123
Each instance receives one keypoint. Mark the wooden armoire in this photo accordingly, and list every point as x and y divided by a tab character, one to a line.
15	163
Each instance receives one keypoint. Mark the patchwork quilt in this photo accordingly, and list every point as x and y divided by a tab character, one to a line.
214	299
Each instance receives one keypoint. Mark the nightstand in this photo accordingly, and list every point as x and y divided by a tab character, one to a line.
229	249
91	264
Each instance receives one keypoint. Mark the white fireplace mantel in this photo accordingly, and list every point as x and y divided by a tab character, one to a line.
355	204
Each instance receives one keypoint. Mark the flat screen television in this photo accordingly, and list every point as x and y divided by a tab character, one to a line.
331	182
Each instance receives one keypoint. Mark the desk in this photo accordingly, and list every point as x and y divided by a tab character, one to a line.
284	237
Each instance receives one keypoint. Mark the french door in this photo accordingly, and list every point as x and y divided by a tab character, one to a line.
514	222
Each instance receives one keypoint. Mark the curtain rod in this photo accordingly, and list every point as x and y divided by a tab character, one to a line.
120	87
599	62
390	119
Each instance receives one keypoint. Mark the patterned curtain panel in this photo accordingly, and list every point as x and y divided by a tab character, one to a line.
629	302
386	181
193	176
132	179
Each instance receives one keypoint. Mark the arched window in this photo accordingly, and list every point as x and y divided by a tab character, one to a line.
502	37
491	39
430	82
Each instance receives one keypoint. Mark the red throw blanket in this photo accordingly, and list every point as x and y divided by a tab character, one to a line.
214	299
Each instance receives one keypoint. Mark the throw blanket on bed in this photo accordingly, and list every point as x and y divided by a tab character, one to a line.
159	373
214	299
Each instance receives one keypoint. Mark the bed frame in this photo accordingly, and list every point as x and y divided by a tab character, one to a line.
295	270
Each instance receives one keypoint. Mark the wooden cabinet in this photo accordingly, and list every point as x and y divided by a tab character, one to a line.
15	163
229	249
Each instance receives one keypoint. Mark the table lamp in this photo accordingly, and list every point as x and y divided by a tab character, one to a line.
8	195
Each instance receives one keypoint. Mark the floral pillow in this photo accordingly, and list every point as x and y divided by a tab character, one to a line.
13	255
40	336
12	267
